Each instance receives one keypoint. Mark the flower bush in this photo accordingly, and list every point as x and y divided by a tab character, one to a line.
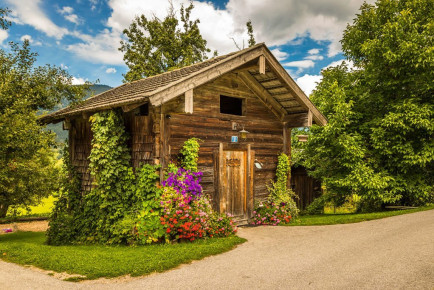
270	213
186	183
190	219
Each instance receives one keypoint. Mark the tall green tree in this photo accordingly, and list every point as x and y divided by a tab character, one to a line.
27	164
155	46
379	140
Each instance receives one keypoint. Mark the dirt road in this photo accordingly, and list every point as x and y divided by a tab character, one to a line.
391	253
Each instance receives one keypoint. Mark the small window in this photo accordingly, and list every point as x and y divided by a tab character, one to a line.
143	110
232	106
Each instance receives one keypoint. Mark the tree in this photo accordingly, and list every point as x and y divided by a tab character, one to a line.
379	140
155	46
27	163
252	40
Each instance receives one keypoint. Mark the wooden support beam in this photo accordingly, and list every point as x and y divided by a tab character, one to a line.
66	124
262	64
129	108
188	108
298	120
221	194
309	118
263	94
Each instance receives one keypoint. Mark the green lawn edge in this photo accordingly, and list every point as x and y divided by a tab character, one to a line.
99	261
333	219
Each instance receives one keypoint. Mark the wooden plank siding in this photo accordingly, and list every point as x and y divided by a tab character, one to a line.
305	187
80	137
213	128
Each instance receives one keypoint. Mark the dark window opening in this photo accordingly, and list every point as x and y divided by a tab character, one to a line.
232	106
143	110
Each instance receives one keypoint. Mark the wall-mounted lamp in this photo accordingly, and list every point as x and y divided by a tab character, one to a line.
243	133
258	164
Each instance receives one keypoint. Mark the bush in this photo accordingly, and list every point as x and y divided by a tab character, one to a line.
317	206
270	213
187	218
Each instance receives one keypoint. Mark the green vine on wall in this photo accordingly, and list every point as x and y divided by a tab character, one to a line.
190	154
279	191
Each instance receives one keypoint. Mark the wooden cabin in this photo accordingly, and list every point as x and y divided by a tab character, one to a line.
214	101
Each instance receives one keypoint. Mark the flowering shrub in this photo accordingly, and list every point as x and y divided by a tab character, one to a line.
191	219
221	225
182	219
186	183
270	213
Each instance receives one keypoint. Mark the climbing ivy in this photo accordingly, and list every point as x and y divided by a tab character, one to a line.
283	169
62	226
112	197
279	191
190	154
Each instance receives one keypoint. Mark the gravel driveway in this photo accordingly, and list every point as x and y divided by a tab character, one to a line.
391	253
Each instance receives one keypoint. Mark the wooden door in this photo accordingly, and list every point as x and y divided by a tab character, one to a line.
236	182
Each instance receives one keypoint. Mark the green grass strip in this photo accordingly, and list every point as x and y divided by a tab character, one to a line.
333	219
95	261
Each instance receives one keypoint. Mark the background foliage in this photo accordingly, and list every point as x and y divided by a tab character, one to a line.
379	140
155	46
27	164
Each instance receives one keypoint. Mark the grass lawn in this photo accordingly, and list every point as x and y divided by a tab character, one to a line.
95	261
42	209
332	219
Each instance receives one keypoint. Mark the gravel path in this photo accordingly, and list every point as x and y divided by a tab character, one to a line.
391	253
35	226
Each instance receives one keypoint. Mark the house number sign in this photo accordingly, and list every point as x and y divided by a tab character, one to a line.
234	139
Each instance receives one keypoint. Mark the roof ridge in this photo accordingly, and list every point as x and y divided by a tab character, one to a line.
121	92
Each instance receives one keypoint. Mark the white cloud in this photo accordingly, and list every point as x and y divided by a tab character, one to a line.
313	51
72	18
300	63
63	66
68	15
66	10
26	36
29	12
102	48
30	39
314	57
3	35
110	70
275	22
280	55
278	21
93	4
78	81
308	83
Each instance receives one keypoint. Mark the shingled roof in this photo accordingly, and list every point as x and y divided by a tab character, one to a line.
166	86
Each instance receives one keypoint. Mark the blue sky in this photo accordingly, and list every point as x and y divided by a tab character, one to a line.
83	36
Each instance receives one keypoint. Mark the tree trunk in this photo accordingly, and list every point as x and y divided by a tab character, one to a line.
3	210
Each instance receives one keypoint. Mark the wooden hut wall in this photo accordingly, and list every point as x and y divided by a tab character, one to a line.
80	137
212	127
305	187
141	140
